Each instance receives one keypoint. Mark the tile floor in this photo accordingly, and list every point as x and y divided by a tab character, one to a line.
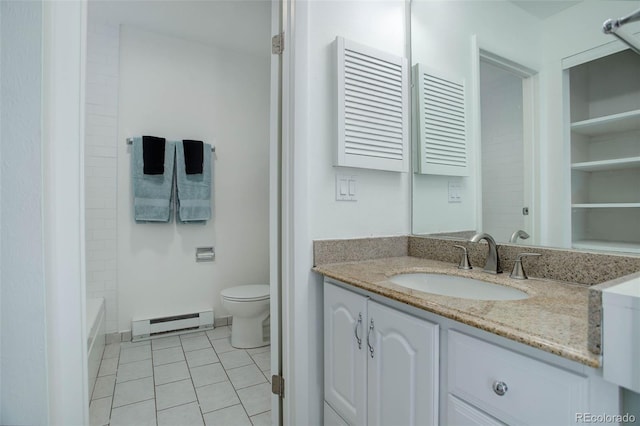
191	379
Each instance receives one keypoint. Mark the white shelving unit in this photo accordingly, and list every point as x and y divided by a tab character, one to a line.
605	153
615	164
623	122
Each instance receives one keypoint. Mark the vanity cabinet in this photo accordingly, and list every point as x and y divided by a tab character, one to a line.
605	152
381	365
387	363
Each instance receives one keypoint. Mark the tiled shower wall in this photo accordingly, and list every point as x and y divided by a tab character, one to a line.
101	165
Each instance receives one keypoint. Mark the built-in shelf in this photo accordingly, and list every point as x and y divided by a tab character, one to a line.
607	246
605	160
602	165
615	123
605	205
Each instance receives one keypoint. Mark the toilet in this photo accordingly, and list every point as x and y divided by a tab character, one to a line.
249	306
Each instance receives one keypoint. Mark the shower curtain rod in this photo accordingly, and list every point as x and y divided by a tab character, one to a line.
611	26
130	142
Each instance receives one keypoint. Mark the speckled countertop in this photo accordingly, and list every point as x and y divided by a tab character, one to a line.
554	318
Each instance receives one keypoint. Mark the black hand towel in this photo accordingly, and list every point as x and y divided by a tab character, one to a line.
153	155
193	156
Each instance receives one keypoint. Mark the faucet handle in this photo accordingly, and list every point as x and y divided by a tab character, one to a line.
518	271
464	261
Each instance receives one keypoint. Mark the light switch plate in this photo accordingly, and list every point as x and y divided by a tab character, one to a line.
455	189
346	187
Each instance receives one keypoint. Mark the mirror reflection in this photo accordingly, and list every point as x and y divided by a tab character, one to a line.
551	129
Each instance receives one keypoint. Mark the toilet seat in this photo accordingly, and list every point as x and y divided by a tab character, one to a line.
246	293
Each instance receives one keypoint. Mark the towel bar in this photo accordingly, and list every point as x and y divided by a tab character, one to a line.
130	142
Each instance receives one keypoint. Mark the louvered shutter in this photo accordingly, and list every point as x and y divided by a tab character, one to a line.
373	108
442	124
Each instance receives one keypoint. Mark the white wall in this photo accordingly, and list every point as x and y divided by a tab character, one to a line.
23	360
383	201
184	90
378	24
101	142
441	39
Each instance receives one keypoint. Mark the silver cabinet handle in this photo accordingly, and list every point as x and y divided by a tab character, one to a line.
500	388
358	324
369	338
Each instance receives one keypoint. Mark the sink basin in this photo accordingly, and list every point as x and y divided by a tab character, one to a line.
466	288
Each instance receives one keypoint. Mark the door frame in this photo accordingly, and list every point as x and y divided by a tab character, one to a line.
531	131
276	260
64	57
65	37
296	253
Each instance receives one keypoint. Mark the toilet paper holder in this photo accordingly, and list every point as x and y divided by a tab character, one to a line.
205	254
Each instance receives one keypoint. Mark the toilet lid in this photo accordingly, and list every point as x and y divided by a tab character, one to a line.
246	292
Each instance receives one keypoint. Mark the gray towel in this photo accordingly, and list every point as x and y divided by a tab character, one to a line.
152	193
194	191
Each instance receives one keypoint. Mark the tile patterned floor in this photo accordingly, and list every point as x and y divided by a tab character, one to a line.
192	379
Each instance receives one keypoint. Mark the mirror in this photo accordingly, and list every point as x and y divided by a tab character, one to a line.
517	59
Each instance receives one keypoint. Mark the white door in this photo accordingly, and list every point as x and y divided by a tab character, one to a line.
402	368
345	354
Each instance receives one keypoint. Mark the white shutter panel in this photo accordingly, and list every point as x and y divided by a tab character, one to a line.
373	108
442	124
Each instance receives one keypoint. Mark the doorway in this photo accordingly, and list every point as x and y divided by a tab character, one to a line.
174	75
506	172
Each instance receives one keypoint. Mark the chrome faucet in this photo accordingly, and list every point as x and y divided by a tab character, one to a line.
492	264
518	234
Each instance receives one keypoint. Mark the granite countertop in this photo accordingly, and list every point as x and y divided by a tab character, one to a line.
555	317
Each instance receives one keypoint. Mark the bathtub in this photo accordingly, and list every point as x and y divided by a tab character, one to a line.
95	339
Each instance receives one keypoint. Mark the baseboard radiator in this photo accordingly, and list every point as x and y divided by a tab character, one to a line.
175	324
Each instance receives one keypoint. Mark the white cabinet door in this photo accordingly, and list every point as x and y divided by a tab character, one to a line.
345	362
331	418
403	368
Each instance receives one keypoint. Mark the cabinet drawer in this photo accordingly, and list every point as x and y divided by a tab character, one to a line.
461	414
533	393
